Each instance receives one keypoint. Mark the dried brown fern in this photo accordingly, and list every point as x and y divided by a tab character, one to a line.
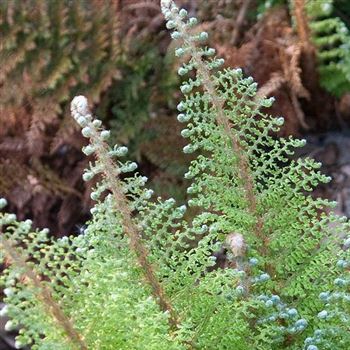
307	48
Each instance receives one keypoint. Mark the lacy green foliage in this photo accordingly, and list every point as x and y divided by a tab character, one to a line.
332	39
334	319
99	299
36	264
111	313
244	177
142	276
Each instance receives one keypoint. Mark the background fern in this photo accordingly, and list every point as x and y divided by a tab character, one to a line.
49	51
332	39
56	62
80	49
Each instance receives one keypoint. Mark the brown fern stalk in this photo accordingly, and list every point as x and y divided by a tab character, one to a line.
308	49
122	206
44	295
274	83
303	28
111	173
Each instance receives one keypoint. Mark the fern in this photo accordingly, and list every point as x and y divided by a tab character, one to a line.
60	60
50	50
144	275
83	47
332	39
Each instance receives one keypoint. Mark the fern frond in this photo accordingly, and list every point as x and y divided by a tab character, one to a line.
32	299
266	202
91	129
332	39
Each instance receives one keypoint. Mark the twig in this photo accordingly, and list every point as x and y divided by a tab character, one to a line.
239	21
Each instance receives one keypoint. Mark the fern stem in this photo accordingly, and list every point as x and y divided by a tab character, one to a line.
302	24
122	206
111	173
45	295
245	175
308	49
